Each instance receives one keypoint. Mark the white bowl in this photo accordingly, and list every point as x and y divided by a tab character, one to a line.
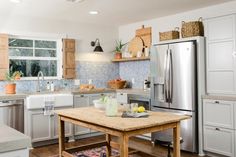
99	105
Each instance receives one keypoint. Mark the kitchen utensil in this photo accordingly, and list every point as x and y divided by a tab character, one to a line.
135	45
145	34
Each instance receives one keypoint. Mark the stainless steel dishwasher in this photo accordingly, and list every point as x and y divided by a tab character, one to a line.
12	114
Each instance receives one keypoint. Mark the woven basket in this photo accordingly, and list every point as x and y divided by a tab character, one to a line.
174	34
116	84
192	28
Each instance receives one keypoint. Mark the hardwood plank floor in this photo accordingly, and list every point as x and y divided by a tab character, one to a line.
143	145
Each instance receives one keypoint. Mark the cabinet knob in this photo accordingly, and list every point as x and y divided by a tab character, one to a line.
217	102
217	129
81	95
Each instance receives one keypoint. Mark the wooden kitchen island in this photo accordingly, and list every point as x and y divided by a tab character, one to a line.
123	128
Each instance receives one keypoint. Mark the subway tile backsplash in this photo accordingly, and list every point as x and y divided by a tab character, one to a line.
99	72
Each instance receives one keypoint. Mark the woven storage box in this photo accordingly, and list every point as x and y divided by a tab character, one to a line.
192	28
116	84
174	34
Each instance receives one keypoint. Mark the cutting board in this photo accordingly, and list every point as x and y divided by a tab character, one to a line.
135	45
145	34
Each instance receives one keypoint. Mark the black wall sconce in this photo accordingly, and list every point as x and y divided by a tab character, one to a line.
97	48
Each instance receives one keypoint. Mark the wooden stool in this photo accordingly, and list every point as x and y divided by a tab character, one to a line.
167	141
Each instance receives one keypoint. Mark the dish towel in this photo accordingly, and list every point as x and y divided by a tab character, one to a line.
49	103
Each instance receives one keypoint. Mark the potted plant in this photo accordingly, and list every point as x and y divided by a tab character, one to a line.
10	87
118	53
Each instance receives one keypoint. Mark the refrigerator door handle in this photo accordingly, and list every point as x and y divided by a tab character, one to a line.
170	76
166	73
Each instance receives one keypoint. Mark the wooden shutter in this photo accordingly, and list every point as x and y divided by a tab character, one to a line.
69	71
4	61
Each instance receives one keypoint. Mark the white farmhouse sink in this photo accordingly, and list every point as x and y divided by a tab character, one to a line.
37	101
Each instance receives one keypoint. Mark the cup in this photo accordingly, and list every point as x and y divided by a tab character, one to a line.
134	108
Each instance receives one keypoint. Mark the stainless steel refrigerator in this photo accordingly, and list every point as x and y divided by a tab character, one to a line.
174	87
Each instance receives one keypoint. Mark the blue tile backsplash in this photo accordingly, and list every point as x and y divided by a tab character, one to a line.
139	70
99	72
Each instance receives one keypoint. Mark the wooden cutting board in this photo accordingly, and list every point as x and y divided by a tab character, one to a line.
135	45
145	34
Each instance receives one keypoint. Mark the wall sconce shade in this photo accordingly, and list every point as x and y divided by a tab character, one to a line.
97	45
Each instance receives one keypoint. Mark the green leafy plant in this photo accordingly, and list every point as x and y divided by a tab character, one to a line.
119	46
12	76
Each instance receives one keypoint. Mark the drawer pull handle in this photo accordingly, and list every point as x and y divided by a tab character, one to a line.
81	95
217	129
217	102
102	94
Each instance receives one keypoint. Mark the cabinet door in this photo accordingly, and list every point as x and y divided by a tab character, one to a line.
218	113
221	28
218	140
69	71
40	126
68	127
81	101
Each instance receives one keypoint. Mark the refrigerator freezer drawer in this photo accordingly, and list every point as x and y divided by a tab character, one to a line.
188	131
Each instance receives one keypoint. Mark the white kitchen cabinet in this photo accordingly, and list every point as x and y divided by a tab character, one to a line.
219	140
44	127
16	153
68	127
81	101
122	98
219	113
219	126
221	55
39	126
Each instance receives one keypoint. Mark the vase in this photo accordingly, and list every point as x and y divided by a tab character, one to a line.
10	88
118	55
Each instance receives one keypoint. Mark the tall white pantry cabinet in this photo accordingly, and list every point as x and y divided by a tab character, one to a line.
221	55
219	116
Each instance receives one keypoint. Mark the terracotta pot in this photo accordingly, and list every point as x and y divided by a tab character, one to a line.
10	88
118	55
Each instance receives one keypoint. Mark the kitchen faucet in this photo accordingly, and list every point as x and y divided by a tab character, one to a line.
39	84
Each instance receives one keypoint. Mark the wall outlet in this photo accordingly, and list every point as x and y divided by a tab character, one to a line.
133	81
77	82
90	81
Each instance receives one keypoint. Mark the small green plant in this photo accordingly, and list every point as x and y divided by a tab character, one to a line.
12	76
119	46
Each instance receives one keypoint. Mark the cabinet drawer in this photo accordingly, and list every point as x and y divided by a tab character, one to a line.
218	140
218	113
122	98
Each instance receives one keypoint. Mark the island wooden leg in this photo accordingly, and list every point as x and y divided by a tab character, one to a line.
108	146
176	139
124	146
61	136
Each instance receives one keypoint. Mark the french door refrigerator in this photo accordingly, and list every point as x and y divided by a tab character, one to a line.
174	88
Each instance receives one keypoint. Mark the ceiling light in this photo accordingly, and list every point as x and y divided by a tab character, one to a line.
75	1
16	1
93	12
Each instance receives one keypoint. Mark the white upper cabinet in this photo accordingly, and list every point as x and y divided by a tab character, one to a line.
221	55
221	28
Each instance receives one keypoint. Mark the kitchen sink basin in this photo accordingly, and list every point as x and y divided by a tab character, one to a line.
37	101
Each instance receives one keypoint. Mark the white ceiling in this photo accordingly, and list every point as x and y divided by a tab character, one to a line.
114	12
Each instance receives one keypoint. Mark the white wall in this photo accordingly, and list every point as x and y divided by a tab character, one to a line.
127	32
83	33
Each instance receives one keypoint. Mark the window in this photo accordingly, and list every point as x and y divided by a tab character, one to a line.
33	55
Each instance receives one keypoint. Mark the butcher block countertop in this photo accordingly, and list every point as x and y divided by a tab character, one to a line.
220	97
98	117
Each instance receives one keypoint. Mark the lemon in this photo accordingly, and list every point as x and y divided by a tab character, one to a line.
141	109
135	109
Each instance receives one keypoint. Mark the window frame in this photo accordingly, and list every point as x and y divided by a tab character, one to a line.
58	57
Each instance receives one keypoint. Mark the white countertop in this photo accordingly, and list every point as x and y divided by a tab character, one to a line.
11	139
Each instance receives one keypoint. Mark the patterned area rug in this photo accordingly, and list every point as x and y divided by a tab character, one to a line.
96	152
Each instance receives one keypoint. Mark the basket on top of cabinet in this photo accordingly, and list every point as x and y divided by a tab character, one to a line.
169	35
192	28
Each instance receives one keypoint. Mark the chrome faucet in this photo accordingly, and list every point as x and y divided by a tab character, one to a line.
39	84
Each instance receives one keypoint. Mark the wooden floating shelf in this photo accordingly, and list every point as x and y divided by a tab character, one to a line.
131	59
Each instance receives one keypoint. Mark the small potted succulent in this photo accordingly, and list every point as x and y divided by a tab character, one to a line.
119	46
10	87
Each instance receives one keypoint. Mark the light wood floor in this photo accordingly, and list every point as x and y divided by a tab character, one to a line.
140	144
